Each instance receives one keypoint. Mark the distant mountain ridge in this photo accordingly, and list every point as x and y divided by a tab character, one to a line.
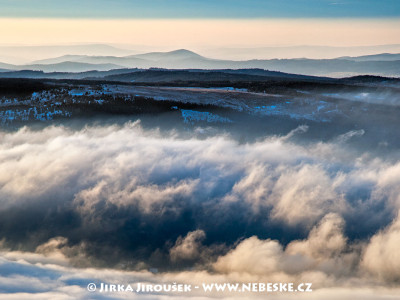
151	56
374	57
159	75
27	54
172	55
379	64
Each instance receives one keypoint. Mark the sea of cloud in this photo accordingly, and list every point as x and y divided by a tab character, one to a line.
110	203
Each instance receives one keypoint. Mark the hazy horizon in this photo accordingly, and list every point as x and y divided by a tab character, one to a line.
30	53
190	33
214	29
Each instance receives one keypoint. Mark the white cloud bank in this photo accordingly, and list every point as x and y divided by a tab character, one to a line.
111	177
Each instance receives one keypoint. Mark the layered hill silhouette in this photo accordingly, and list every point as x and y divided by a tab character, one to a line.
379	65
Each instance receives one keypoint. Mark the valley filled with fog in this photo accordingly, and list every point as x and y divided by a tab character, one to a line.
273	179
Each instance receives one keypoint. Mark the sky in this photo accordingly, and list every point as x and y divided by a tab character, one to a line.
199	25
189	9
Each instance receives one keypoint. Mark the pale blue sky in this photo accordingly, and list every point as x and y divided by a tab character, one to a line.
201	8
